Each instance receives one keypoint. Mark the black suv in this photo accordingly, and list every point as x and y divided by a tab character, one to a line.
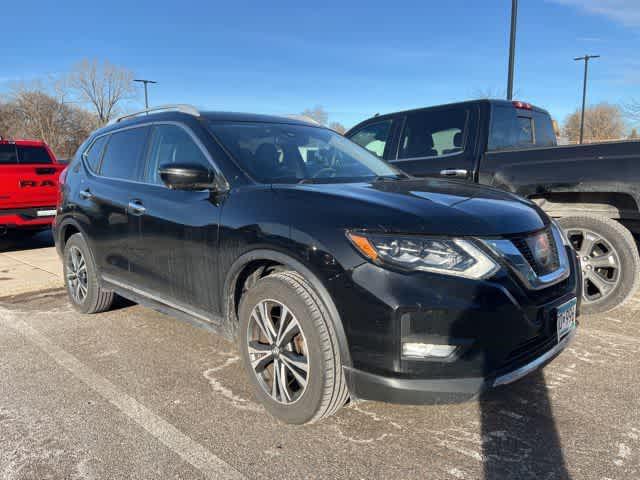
338	275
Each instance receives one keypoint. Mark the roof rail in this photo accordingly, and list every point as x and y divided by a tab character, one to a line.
178	107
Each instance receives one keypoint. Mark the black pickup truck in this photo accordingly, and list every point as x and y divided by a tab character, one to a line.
593	190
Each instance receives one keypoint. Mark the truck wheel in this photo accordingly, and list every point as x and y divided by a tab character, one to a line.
290	350
609	260
81	278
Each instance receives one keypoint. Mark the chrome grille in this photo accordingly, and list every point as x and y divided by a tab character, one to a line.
523	244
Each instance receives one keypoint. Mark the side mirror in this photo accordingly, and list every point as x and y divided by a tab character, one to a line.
186	176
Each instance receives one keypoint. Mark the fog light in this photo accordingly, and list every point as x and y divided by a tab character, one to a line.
423	350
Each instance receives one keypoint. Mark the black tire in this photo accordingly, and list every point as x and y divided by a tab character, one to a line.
326	389
96	299
627	272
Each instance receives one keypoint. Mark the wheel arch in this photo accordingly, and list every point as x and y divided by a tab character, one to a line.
613	205
258	261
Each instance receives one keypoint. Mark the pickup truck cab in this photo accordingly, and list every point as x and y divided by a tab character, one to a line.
593	189
29	176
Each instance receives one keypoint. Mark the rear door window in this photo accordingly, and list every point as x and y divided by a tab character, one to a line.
433	133
374	137
123	157
8	154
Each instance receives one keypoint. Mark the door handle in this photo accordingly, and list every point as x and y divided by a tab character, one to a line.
454	172
86	194
136	208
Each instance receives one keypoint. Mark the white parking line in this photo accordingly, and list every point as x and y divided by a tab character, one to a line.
188	449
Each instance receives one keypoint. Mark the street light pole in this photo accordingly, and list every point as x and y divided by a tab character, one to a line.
512	48
586	59
146	95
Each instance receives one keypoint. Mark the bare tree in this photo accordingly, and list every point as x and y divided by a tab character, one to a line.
601	122
337	127
103	86
317	113
31	112
632	110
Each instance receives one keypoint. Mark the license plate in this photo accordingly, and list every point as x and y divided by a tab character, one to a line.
46	213
566	318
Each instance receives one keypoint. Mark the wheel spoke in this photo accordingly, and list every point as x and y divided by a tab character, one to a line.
285	393
604	261
275	382
291	329
267	323
261	355
302	380
263	323
295	360
588	242
603	285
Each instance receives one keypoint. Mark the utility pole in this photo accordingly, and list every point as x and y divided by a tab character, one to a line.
586	59
512	48
146	95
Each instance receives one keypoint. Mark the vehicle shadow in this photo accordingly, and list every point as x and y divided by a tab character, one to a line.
16	241
520	439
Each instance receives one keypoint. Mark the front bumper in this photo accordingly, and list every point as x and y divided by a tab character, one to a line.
364	385
503	330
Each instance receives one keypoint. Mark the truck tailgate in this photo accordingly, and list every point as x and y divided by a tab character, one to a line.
23	186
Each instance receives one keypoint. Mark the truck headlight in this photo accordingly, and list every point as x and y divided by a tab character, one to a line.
438	255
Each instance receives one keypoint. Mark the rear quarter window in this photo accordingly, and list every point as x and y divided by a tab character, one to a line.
93	154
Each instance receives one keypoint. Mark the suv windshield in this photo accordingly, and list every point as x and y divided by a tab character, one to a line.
286	153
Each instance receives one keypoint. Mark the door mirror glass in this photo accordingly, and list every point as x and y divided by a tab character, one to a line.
187	176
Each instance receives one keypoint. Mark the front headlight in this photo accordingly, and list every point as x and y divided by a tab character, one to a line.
447	256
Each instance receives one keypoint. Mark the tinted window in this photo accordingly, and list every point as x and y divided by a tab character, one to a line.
123	156
545	135
8	153
373	137
513	128
171	144
33	155
284	153
524	132
93	155
433	133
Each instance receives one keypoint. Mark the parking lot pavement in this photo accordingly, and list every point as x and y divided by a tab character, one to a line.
133	393
28	264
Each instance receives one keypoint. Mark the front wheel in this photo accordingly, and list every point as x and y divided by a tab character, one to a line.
609	260
289	349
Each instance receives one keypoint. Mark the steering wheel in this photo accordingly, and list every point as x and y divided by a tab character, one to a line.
324	170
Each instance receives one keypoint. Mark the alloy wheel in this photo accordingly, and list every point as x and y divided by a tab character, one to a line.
77	275
599	261
278	351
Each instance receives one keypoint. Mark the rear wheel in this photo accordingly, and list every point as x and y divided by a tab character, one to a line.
81	278
609	260
290	350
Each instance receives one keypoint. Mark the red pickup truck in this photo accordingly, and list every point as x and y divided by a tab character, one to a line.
29	175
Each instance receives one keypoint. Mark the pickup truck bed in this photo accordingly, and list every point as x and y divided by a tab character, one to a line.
29	176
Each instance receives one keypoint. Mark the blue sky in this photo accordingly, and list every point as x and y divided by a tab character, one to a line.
354	58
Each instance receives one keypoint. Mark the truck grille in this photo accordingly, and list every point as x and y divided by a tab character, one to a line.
540	251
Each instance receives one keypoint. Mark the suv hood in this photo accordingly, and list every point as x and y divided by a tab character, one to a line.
425	206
